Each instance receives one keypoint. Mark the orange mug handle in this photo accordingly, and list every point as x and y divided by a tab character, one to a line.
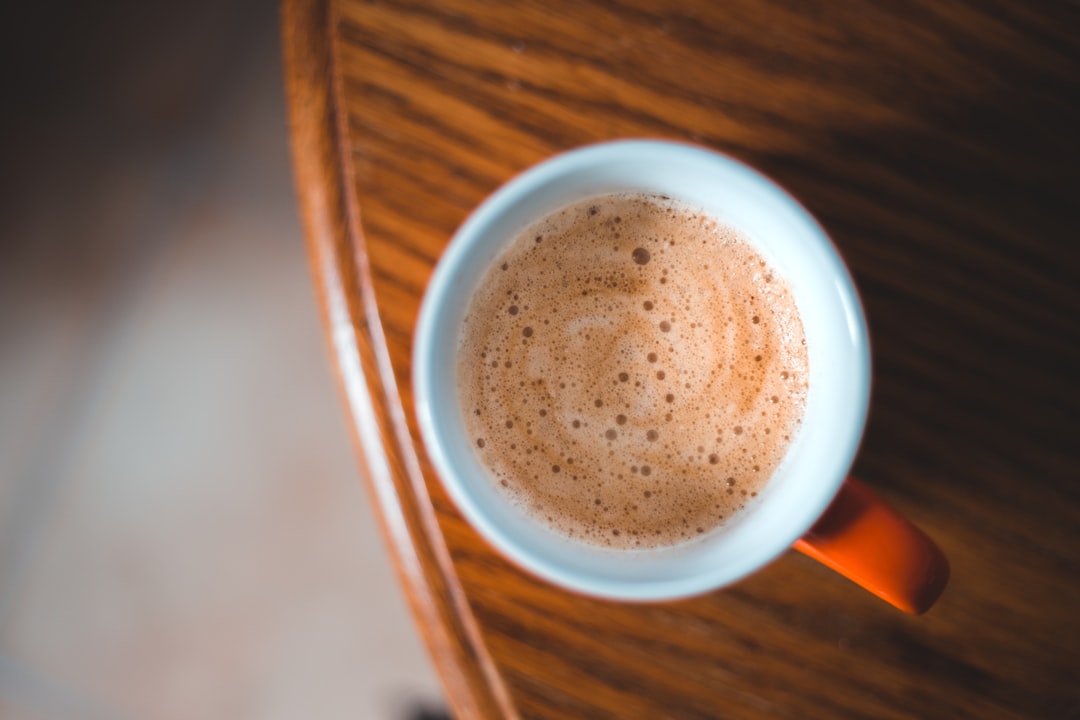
871	544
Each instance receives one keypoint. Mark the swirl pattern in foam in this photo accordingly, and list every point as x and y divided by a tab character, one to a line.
631	371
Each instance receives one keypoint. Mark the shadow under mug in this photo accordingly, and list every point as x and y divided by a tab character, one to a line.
809	502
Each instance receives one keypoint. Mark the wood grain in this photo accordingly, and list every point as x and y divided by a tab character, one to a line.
938	145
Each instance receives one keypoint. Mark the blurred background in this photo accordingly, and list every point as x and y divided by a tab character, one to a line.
183	531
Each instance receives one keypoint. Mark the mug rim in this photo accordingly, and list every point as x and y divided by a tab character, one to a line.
433	307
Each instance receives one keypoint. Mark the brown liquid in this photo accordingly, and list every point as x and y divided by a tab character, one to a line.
631	371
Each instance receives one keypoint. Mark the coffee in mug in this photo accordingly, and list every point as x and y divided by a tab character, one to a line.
602	291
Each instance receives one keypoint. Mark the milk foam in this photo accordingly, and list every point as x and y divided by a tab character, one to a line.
631	371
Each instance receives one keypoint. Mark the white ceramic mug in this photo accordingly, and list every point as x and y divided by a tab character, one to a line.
814	469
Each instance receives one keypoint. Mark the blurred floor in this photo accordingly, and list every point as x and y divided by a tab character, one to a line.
183	532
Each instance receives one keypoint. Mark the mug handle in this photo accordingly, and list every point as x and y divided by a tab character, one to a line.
871	544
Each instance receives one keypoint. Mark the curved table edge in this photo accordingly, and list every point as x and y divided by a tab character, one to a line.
323	175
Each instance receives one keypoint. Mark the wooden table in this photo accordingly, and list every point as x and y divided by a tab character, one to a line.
938	144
